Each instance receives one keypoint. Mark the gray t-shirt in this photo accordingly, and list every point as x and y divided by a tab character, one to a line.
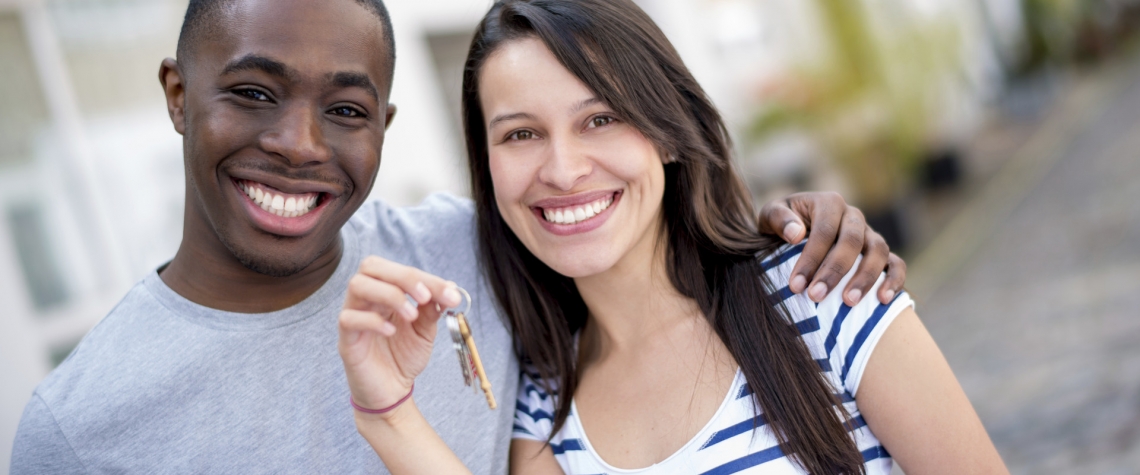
163	385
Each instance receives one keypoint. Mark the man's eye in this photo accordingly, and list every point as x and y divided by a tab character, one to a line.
253	94
345	111
521	135
601	121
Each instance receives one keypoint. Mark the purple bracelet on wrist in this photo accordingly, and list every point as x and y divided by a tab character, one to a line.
386	409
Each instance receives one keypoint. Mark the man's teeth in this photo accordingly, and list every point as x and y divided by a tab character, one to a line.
577	214
280	204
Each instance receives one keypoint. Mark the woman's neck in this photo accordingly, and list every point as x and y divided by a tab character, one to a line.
634	300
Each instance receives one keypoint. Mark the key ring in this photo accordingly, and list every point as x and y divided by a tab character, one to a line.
464	344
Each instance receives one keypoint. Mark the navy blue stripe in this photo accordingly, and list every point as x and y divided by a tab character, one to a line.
746	390
733	431
530	388
856	423
518	428
861	337
747	461
808	326
782	294
836	325
537	415
782	258
568	444
824	364
875	453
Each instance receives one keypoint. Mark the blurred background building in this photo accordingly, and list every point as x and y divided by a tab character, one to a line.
992	141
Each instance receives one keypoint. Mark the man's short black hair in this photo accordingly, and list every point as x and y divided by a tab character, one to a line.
202	20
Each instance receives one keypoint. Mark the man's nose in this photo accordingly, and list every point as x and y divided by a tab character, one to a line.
297	137
565	165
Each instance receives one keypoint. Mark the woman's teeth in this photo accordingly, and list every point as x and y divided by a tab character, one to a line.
280	204
577	214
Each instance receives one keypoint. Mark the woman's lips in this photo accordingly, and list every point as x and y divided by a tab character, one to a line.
564	216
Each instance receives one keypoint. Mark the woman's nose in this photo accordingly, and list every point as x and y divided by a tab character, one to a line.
566	164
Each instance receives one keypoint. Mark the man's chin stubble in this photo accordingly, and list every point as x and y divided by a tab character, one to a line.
269	267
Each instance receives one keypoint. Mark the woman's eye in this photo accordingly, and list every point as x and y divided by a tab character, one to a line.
521	135
345	111
253	94
601	121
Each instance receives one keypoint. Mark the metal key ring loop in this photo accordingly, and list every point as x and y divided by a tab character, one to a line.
468	297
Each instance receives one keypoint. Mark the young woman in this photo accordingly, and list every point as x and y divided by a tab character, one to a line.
655	322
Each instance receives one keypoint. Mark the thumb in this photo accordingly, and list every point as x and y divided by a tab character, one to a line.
777	218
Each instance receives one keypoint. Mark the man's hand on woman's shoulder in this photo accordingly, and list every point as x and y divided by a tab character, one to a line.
836	234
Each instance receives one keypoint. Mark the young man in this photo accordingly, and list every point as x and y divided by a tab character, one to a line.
225	360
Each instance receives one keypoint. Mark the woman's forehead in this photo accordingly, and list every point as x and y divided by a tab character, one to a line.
524	73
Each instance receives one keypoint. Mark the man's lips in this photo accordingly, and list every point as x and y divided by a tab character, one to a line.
280	213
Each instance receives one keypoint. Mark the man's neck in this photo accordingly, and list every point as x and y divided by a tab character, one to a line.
219	281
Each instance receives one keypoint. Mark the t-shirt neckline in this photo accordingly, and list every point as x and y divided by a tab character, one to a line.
330	292
703	434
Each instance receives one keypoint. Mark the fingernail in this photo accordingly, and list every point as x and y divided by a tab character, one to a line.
792	231
409	311
853	296
818	291
421	293
452	296
797	284
389	329
889	294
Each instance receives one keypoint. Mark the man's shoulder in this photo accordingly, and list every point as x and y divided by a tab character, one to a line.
111	344
441	229
438	210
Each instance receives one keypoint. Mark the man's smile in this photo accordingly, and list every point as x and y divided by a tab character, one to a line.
280	213
278	202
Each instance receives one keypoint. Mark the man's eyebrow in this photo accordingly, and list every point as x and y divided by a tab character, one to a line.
506	117
361	80
253	62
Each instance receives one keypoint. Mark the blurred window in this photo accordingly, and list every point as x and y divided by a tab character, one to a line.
37	259
23	110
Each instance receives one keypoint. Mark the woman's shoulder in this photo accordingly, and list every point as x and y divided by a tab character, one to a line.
840	337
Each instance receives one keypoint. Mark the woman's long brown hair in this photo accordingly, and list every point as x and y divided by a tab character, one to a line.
714	248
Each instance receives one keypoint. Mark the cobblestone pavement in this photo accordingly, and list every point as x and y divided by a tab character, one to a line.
1041	321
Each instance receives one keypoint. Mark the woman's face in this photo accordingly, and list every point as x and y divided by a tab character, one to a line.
581	189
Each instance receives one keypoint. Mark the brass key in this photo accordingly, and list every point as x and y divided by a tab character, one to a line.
469	362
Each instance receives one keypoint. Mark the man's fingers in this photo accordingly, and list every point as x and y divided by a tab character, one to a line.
420	285
841	257
826	219
896	277
779	219
875	253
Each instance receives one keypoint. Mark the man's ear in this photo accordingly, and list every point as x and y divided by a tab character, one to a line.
389	115
174	86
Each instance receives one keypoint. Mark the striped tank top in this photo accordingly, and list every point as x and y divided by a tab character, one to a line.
839	337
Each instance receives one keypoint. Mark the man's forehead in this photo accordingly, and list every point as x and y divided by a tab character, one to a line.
336	41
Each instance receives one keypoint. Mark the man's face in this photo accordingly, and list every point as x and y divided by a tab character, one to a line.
284	117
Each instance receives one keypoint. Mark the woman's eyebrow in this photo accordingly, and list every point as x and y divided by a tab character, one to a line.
584	104
506	117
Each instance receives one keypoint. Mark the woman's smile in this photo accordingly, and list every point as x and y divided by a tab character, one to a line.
575	214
